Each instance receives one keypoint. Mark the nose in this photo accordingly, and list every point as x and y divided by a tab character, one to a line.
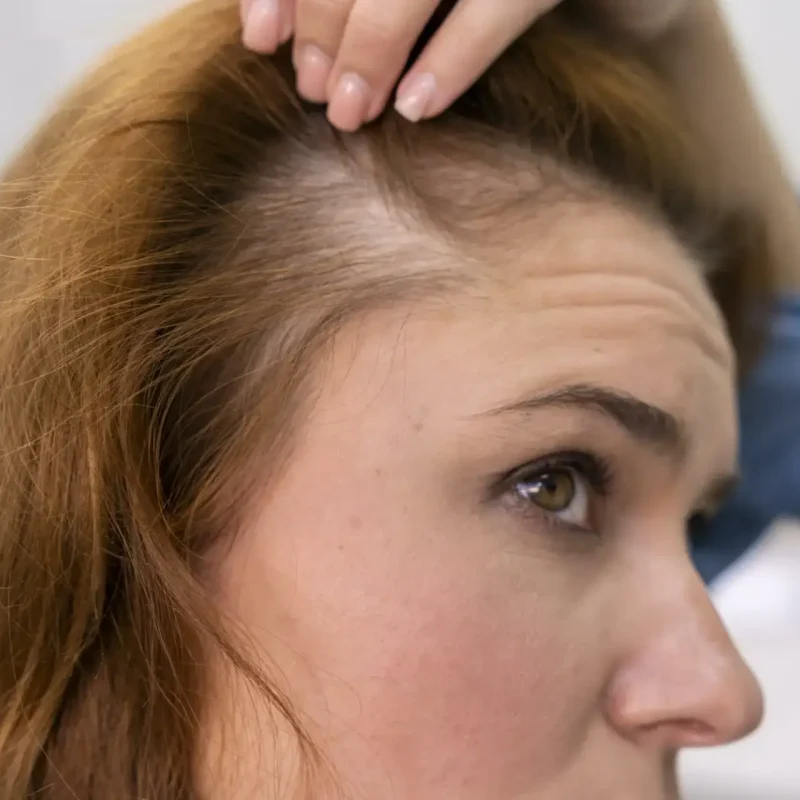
683	682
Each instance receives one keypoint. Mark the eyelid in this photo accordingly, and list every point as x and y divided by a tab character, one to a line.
592	471
596	469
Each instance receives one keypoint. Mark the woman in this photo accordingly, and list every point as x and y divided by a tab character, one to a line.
363	46
361	466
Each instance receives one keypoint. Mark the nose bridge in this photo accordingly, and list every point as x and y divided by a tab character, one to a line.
684	679
693	620
699	658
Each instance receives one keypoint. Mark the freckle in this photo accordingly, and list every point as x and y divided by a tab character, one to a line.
378	472
418	426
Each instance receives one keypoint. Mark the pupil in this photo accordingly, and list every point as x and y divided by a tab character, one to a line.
549	483
554	491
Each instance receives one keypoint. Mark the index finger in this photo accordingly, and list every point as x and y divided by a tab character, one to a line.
473	36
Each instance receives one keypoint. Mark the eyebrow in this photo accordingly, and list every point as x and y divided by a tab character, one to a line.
647	423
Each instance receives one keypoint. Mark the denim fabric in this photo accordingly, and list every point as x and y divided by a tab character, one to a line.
769	454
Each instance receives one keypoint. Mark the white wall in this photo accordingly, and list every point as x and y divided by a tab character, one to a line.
44	44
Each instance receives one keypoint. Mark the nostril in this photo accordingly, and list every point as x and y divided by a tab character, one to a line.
671	703
695	728
687	732
695	733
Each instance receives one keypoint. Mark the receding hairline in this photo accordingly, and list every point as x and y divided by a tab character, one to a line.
461	200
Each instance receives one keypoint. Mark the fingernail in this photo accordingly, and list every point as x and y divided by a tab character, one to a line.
350	102
414	96
261	27
313	71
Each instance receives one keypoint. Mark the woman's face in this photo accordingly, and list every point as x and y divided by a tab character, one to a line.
472	579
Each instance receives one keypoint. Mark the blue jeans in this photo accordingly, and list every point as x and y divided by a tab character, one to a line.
769	454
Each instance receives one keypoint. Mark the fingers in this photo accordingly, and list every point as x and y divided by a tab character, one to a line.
359	49
470	39
266	23
347	53
375	47
350	53
319	27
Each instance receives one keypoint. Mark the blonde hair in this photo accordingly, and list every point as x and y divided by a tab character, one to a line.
176	244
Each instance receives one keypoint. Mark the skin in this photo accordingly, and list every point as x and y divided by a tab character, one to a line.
439	639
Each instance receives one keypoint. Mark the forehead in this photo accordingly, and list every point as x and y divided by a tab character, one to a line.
586	293
596	235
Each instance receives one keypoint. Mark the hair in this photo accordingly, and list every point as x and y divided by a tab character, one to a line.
178	244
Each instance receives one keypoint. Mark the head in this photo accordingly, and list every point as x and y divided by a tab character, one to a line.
361	466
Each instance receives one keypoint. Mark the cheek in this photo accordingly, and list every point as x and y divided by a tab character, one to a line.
494	696
418	643
459	678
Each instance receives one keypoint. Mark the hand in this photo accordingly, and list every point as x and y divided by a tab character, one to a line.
350	53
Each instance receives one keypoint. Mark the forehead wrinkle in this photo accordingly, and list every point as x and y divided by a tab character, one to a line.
585	244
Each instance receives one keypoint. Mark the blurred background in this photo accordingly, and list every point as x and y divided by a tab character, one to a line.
45	44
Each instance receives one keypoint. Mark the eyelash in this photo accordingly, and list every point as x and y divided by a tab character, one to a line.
594	469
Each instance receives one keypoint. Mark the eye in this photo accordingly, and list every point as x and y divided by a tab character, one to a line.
561	492
559	489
